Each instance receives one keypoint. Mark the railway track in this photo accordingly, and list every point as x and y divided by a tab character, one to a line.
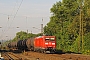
66	56
10	56
40	56
71	56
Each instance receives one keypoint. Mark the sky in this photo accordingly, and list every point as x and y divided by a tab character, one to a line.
24	14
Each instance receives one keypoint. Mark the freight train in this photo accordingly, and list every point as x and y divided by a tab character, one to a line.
41	44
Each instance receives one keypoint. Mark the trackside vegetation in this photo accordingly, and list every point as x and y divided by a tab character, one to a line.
70	23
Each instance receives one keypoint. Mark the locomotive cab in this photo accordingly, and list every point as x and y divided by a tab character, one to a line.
50	43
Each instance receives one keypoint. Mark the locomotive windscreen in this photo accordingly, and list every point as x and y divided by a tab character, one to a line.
50	39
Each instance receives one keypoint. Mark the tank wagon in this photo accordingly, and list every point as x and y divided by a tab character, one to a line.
41	43
21	44
30	44
12	45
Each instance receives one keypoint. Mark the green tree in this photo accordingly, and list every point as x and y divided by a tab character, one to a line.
62	16
65	23
23	35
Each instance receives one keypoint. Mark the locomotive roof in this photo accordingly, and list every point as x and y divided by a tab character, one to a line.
43	36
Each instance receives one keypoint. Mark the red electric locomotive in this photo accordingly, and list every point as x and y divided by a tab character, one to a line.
45	43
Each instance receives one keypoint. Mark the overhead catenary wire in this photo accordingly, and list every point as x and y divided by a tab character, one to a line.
16	12
7	25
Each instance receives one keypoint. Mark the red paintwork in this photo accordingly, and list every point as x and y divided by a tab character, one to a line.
40	42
